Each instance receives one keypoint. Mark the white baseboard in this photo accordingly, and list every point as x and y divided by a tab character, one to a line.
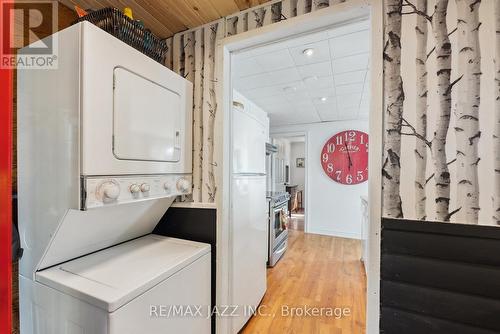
340	234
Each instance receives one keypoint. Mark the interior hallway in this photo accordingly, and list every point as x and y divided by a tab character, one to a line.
317	271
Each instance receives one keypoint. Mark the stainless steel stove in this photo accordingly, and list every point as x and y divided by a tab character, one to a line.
278	221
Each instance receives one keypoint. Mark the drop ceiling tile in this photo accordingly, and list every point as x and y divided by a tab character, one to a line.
349	89
366	92
368	78
349	101
350	44
301	97
251	82
365	103
328	116
304	105
349	78
317	69
245	67
348	113
275	60
298	116
257	51
293	87
276	109
316	94
329	106
304	116
307	39
348	28
350	63
363	114
244	54
261	92
281	77
321	83
272	101
321	53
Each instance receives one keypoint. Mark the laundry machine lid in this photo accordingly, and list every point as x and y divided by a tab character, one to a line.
114	276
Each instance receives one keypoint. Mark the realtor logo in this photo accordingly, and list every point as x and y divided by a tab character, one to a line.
24	30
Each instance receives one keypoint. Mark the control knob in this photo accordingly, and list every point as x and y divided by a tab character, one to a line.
134	188
183	185
166	186
110	190
145	187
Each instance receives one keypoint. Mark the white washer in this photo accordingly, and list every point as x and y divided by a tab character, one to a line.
136	287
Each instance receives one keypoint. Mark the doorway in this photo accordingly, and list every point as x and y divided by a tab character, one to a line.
308	120
294	156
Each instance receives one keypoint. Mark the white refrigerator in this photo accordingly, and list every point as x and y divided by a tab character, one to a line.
249	217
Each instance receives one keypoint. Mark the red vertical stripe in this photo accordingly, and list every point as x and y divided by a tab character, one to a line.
5	190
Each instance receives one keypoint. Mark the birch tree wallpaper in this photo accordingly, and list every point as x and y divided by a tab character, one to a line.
442	111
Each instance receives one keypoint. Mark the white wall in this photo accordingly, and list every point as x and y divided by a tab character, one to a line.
297	175
331	208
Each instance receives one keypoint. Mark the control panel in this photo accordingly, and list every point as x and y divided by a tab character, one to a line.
101	191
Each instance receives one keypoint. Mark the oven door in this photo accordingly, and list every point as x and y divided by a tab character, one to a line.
136	114
279	224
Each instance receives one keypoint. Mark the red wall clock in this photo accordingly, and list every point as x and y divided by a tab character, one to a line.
344	157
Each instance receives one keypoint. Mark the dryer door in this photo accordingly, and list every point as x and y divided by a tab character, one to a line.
146	120
136	114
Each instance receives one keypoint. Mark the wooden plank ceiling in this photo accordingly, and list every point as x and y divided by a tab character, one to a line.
167	17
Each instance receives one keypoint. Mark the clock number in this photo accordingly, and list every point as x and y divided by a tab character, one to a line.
338	172
350	136
348	179
360	176
330	148
339	140
362	140
329	167
325	157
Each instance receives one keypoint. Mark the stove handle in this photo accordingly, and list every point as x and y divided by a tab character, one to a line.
284	218
282	248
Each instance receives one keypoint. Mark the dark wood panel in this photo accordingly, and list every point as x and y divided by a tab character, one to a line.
486	251
397	321
470	310
454	276
439	278
471	231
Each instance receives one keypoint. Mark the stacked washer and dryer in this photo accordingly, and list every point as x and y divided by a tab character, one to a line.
104	148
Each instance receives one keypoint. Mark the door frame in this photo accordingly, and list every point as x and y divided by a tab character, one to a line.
304	24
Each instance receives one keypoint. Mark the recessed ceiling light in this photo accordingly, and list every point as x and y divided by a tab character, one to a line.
323	99
310	79
290	89
308	52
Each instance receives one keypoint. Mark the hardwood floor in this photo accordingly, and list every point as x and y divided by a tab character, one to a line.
296	222
316	271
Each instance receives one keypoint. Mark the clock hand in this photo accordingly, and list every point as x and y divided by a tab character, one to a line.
348	155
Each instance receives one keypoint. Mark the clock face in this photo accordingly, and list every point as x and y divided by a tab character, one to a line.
345	157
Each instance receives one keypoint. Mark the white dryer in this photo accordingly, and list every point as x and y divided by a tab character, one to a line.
104	148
